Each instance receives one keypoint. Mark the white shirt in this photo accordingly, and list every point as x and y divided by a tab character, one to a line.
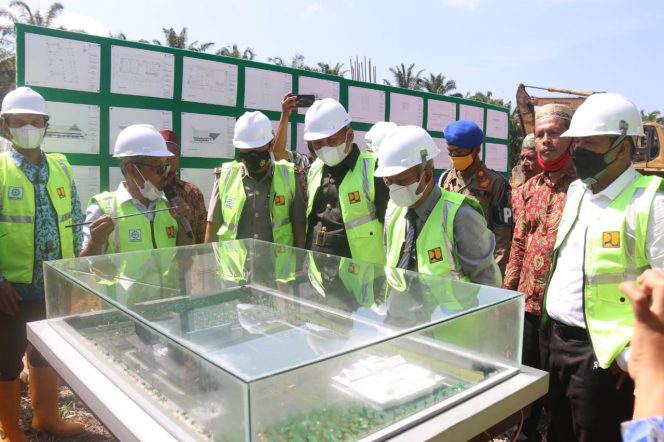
122	194
564	299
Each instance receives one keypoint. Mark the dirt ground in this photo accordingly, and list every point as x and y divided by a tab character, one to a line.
70	408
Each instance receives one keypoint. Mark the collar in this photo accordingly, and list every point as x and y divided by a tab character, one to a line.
613	190
423	210
553	178
20	160
468	173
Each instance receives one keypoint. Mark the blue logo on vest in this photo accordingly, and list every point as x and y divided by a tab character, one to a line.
135	235
229	202
15	193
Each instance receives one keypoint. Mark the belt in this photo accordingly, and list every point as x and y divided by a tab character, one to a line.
570	333
323	238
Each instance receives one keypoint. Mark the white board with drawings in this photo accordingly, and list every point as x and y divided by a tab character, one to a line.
202	178
209	136
142	72
264	89
72	128
473	113
207	81
440	114
442	161
496	124
319	87
496	157
366	105
406	109
121	117
87	183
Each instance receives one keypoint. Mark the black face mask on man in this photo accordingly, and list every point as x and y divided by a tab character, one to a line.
591	165
255	160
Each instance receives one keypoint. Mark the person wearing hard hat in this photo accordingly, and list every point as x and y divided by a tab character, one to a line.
428	229
537	206
256	197
145	163
345	202
470	176
528	166
187	192
38	202
378	132
612	228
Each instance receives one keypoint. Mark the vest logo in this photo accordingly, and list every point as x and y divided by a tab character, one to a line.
352	268
435	255
229	202
15	193
354	197
135	235
279	200
170	231
61	192
611	240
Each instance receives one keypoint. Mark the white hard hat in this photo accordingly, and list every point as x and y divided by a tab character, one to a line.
405	147
140	140
605	114
324	118
377	134
252	130
24	100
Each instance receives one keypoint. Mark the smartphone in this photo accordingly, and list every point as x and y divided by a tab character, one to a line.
305	100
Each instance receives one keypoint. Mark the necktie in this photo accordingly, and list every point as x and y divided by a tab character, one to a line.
409	243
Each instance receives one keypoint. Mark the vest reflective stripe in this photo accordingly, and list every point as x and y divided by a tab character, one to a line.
233	197
137	232
613	253
363	229
17	218
435	244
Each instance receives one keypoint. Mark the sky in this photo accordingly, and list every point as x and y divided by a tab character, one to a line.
483	45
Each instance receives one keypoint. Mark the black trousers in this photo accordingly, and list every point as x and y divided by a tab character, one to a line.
14	340
584	403
530	356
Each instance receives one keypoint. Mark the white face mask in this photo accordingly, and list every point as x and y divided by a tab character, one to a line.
149	190
332	155
406	196
27	136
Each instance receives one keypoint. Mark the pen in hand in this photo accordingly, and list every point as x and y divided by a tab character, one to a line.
118	217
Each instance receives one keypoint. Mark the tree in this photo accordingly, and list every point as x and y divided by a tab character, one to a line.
234	51
296	62
179	40
653	116
436	84
332	70
404	78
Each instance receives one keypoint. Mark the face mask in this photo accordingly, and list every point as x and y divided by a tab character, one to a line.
332	155
149	191
591	165
462	163
28	136
255	160
406	196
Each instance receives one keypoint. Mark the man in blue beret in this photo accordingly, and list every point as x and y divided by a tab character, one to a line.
470	176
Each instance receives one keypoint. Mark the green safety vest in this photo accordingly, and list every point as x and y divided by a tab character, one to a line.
137	232
356	199
436	248
232	257
357	278
233	197
613	254
17	215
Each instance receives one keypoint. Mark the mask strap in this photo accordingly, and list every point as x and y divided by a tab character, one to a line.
423	156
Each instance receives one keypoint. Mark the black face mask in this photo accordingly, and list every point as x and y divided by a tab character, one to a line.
590	165
255	160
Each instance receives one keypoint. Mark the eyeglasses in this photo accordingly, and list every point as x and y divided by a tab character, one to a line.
161	169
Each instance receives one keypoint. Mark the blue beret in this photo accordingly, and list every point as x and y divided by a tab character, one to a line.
464	133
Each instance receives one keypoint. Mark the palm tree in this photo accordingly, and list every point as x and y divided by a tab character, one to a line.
234	51
653	116
404	77
436	84
296	62
332	70
179	40
488	98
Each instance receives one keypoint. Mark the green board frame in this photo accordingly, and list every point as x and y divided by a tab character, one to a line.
105	99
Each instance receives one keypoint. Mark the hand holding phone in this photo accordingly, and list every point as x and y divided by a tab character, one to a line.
305	100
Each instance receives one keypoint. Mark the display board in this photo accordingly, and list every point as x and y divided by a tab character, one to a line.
96	86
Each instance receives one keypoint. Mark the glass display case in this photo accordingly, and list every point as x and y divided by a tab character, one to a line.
247	340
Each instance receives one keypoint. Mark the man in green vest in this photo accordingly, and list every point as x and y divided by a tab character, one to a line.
145	163
345	202
611	229
428	229
256	197
38	202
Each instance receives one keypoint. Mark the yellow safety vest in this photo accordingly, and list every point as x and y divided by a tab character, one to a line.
137	232
613	254
18	214
356	199
233	197
232	259
435	246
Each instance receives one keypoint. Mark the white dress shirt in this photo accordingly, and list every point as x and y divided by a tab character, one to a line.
564	299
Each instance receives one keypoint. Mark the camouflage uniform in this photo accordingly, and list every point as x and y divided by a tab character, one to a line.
493	192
